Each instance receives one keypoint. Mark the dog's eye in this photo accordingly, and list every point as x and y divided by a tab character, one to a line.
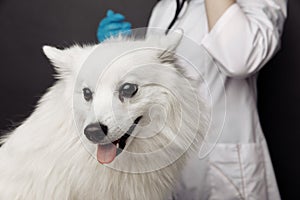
87	94
128	90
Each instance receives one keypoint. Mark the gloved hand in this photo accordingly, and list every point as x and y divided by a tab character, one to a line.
112	24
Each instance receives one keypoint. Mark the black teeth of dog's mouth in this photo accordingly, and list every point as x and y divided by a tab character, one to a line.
121	143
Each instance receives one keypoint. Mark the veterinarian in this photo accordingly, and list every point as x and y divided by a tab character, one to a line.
241	36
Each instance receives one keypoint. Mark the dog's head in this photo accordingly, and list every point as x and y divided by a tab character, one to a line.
129	95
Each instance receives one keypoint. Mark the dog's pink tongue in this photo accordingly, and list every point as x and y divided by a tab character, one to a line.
106	153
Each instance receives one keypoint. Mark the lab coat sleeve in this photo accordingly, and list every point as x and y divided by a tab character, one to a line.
246	36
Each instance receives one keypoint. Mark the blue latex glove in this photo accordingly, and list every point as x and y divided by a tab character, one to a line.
112	24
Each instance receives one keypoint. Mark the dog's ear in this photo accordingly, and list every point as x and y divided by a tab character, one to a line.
169	43
54	54
172	40
66	61
168	55
61	59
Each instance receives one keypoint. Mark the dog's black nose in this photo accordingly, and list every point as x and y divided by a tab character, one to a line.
95	132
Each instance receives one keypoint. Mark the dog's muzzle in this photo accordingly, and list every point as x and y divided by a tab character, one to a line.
96	132
107	150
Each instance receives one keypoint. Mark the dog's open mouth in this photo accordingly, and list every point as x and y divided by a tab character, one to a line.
106	153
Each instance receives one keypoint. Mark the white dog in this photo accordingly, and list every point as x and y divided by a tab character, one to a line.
118	124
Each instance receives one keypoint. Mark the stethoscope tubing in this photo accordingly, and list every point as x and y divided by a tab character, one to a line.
179	7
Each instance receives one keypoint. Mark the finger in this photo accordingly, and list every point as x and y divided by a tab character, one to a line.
108	20
104	22
109	13
126	25
113	33
114	26
117	16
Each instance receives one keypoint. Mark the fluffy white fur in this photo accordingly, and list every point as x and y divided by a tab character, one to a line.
48	156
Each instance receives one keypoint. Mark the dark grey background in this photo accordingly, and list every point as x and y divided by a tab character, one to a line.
25	73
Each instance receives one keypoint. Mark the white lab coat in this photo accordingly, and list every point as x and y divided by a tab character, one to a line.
242	41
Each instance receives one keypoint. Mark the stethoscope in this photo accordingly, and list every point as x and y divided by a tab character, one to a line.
179	7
